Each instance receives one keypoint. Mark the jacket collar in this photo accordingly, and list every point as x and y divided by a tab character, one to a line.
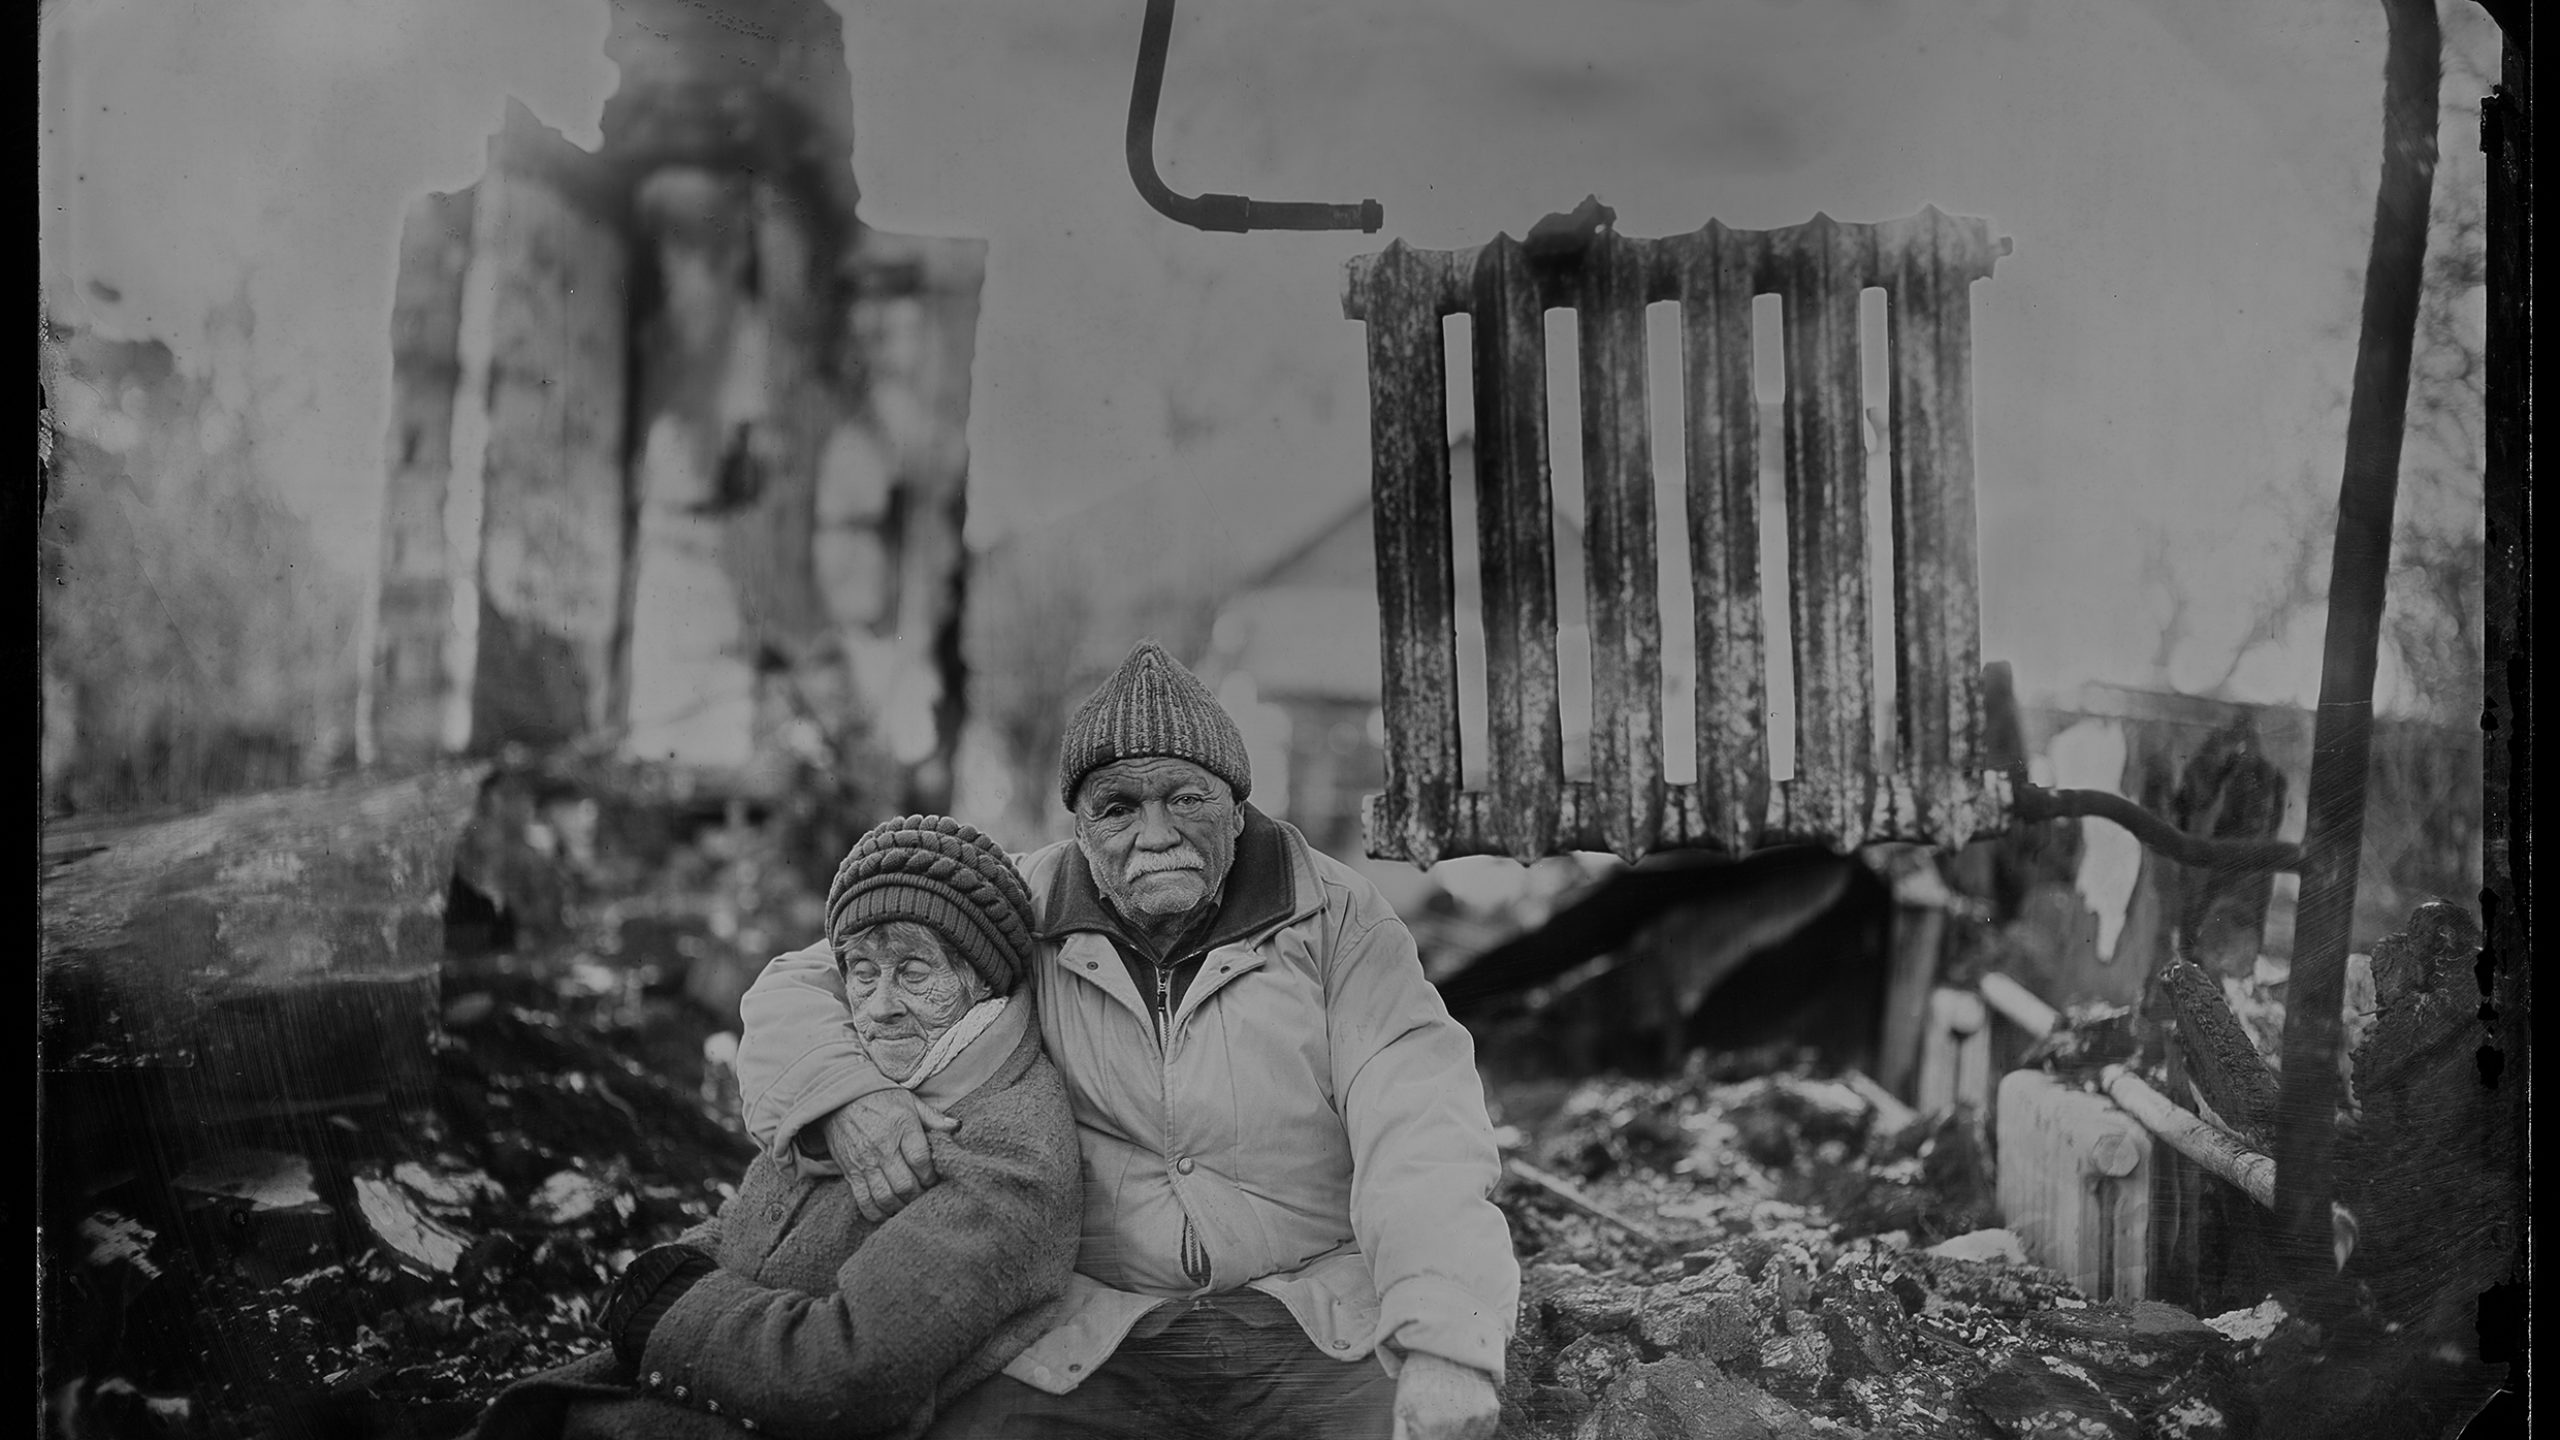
1261	891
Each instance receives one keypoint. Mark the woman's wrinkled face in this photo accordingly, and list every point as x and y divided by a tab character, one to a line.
905	988
1159	833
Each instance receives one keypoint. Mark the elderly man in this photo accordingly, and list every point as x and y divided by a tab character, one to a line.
793	1314
1288	1227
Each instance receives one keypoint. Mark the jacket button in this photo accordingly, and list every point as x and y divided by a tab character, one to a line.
657	1378
1183	1165
773	1211
748	1422
681	1392
711	1405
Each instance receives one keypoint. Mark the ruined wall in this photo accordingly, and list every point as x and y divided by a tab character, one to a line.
410	677
679	451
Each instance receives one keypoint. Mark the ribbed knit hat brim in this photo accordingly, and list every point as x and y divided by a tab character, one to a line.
944	874
1152	706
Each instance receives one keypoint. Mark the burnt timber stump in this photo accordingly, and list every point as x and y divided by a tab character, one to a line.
270	955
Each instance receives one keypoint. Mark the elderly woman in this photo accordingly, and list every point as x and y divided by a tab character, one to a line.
788	1312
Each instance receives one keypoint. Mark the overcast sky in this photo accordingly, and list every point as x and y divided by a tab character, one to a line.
2188	185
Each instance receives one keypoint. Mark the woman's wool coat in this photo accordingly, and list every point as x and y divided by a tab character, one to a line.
818	1323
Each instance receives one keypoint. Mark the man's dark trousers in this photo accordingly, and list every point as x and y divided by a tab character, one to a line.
1231	1367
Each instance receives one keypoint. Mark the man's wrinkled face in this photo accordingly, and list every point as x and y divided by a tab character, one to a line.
1159	833
905	988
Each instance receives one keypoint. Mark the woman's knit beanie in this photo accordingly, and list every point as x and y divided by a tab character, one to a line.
944	874
1151	705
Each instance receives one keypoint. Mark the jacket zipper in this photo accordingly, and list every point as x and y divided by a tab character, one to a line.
1195	1260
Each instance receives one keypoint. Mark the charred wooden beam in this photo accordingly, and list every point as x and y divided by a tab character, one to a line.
2431	1168
276	951
2341	754
2221	1062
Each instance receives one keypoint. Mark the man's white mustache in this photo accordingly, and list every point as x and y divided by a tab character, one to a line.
1157	862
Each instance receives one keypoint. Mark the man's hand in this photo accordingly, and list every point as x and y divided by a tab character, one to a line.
878	1141
1440	1399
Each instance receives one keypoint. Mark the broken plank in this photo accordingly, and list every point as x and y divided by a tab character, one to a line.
1571	1194
2216	1152
2019	1006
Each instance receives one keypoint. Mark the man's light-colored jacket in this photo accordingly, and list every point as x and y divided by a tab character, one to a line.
1316	1115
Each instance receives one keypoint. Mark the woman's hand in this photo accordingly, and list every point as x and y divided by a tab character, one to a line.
654	1280
878	1142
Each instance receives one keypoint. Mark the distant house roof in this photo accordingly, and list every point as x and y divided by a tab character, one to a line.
1307	623
1315	641
1341	551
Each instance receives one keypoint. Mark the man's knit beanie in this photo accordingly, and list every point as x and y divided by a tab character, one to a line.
947	876
1151	705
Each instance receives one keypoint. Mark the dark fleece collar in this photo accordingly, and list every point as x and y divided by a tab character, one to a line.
1259	893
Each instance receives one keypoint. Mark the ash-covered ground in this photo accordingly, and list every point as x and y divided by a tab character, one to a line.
1750	1249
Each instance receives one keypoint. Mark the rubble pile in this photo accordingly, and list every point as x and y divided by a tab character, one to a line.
1752	1249
382	1272
385	1278
1764	1259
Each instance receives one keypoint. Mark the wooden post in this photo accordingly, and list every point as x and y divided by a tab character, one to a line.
2333	839
2177	1186
1918	931
1921	899
1955	1054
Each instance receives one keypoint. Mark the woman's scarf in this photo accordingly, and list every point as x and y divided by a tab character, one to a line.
949	1045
